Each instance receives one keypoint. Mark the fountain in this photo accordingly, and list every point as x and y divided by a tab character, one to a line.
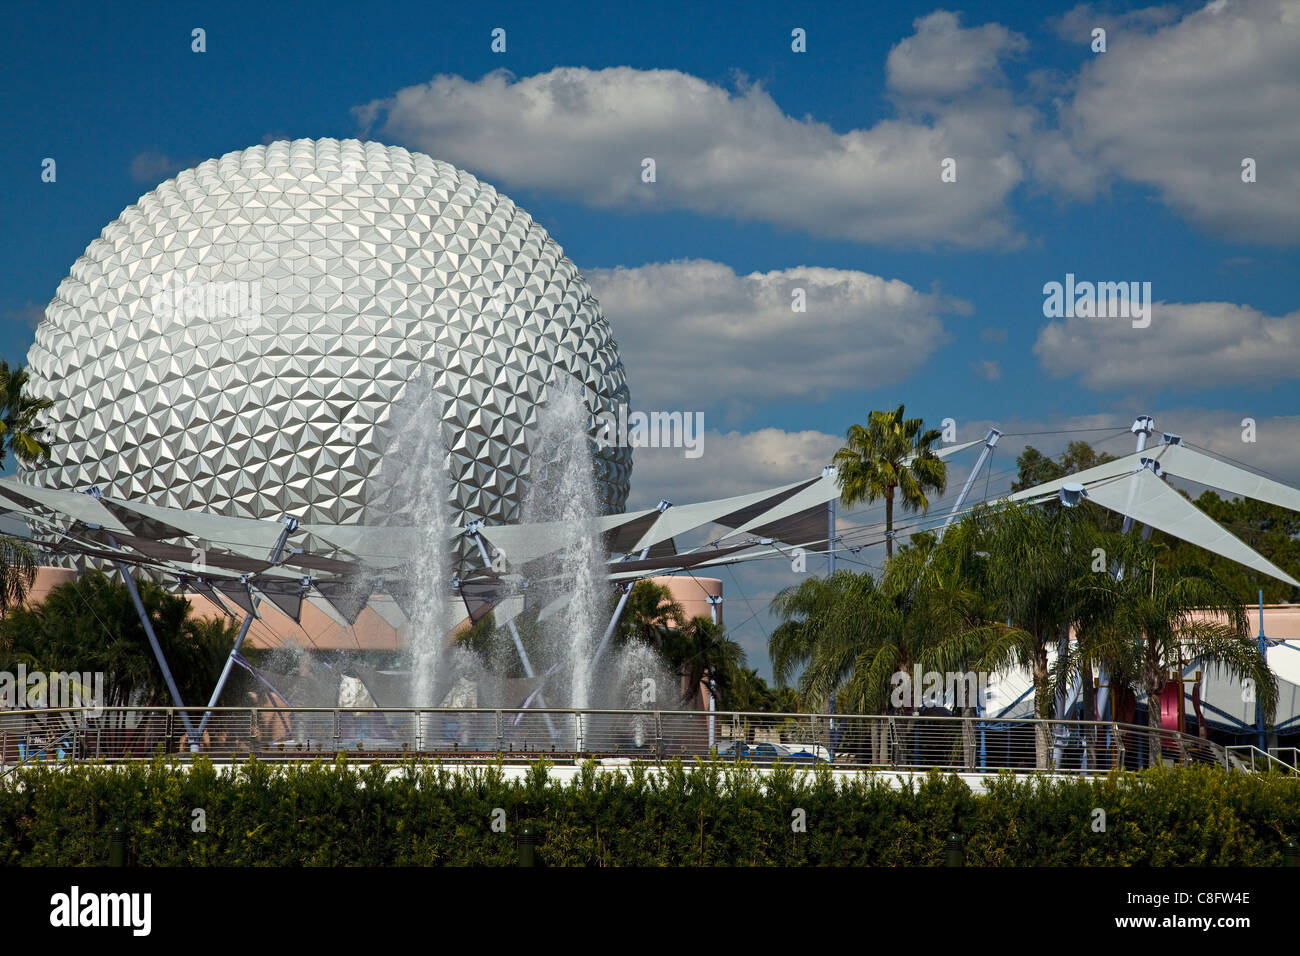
563	490
569	598
414	489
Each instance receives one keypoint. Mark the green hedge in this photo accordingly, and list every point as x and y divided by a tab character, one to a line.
333	814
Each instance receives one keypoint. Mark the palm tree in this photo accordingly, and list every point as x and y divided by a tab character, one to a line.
1145	626
691	648
856	636
833	630
702	651
890	456
18	435
1039	565
17	572
19	429
650	614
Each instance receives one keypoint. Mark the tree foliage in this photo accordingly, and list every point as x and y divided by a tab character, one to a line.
91	624
890	457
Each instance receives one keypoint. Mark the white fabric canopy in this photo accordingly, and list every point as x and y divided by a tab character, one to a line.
82	507
1111	469
375	545
1145	498
682	518
821	491
250	537
1191	464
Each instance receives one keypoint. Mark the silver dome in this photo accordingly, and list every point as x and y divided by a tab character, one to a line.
236	340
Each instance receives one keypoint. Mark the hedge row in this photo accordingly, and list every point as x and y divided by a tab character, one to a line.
334	814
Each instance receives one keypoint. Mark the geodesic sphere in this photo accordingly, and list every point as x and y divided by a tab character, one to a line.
235	342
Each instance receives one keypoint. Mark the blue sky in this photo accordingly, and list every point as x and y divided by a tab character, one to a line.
1114	166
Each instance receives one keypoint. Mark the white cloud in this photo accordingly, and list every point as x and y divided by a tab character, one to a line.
584	133
151	168
28	314
1217	429
1194	345
943	59
987	369
1175	104
693	333
1178	108
1076	25
733	463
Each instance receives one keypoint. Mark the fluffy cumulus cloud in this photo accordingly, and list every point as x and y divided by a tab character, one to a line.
1178	100
1179	107
1192	344
943	59
1267	445
29	314
1077	25
695	333
151	168
735	152
733	463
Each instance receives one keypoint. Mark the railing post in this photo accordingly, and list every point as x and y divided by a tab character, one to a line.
577	730
338	729
659	736
501	733
1119	745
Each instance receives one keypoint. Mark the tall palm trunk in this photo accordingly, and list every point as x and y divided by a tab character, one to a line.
880	741
1042	708
1154	687
968	737
1087	711
889	525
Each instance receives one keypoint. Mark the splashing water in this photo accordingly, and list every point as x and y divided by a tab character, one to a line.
563	490
640	680
415	476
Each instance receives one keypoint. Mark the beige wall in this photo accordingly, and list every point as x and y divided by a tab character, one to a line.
372	631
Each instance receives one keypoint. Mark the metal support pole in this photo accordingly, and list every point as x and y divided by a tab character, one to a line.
473	530
613	620
990	440
290	526
713	706
828	472
153	638
622	601
1144	427
714	601
1263	652
148	628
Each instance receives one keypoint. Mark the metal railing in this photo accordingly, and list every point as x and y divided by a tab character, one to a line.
963	744
1257	759
1288	755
